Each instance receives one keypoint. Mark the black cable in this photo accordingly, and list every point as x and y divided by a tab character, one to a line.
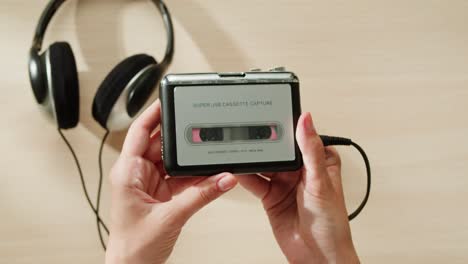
368	171
98	199
83	182
339	141
327	141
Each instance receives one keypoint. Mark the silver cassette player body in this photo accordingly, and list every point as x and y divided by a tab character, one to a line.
236	122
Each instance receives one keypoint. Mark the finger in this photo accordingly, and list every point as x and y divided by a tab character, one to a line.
333	163
255	184
282	189
132	180
195	197
310	144
313	154
161	169
332	158
131	172
268	175
138	136
153	153
287	178
162	191
179	184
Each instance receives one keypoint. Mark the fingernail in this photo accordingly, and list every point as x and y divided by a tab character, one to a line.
226	183
309	125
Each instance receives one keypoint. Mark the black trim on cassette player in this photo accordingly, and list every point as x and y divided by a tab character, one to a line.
236	122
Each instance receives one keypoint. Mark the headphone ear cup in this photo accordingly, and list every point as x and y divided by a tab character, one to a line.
37	76
115	83
64	84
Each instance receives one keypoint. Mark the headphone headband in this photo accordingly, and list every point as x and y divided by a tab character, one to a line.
54	5
44	21
169	33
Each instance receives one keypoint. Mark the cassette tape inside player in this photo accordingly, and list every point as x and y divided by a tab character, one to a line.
230	122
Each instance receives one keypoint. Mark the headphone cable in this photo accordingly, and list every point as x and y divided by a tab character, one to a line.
83	184
98	199
327	141
339	141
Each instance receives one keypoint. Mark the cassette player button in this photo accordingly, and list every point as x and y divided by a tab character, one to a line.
231	74
278	69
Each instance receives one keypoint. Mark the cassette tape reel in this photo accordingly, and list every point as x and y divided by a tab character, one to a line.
233	133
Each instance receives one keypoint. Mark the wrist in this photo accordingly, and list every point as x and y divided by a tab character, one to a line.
113	257
120	259
347	254
123	256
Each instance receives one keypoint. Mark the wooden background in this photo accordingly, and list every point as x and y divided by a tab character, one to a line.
393	75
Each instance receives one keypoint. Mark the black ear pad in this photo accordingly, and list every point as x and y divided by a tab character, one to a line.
64	81
114	84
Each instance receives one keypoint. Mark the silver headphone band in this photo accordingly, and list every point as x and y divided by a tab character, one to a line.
54	5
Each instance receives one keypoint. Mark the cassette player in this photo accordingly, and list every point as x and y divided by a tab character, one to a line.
230	122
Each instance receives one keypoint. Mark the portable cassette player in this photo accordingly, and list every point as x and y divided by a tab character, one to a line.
230	122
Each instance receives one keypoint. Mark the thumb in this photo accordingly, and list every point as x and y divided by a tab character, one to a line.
313	154
195	197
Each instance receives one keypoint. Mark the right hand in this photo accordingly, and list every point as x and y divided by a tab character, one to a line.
306	208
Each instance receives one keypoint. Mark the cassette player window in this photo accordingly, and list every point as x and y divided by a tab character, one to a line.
226	124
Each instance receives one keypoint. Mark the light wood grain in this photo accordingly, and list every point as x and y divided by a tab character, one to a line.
393	75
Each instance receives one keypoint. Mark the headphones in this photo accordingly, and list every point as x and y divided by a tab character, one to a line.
119	98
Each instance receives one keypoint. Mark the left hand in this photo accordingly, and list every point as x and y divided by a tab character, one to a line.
149	208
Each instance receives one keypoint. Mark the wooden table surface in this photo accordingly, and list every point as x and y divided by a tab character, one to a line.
392	75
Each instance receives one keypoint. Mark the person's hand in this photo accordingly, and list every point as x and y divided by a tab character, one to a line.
149	209
306	208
